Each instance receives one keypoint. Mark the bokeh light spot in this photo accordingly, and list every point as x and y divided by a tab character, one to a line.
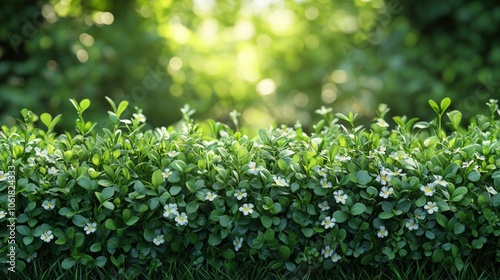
266	87
82	55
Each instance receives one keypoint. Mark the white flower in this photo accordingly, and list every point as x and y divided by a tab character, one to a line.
431	207
172	154
47	236
384	177
166	173
466	164
41	154
323	111
343	158
479	157
327	252
322	172
336	257
411	224
325	184
170	209
181	219
419	214
382	123
2	214
2	176
381	150
32	256
238	242
210	196
324	205
385	192
339	196
157	240
52	170
90	228
253	169
397	172
49	204
247	208
240	194
439	181
31	163
140	117
491	190
280	182
328	222
428	189
382	232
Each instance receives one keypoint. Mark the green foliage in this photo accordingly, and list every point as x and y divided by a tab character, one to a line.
300	55
130	197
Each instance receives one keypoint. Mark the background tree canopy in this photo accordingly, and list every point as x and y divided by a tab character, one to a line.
275	61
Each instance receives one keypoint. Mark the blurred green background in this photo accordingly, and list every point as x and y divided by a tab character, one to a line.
274	61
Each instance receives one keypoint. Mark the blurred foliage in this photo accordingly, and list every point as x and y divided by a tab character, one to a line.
271	60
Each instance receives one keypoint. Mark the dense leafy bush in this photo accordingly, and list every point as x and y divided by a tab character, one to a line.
130	197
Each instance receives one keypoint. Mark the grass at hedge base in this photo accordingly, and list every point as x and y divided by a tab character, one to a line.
341	197
48	269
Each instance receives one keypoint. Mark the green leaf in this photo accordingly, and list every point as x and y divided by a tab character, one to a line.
157	178
109	205
438	255
434	106
224	221
68	263
179	165
308	232
107	193
132	220
96	247
79	239
429	234
458	228
126	214
385	215
340	216
455	117
46	119
363	177
175	190
442	220
495	200
445	103
474	176
263	136
228	254
214	239
23	230
266	221
121	108
84	105
358	209
477	244
192	207
100	261
422	125
282	164
284	252
110	224
27	240
459	193
459	264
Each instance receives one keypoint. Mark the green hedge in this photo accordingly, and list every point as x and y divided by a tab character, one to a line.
132	197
